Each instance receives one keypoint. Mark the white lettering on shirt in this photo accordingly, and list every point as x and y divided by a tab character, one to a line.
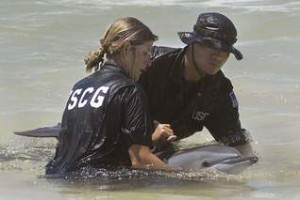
97	99
80	99
74	99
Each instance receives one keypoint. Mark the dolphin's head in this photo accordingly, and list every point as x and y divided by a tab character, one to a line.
234	165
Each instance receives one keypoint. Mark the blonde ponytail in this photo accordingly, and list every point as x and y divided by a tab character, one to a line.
94	59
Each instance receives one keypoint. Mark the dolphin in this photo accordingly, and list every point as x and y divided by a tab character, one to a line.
213	156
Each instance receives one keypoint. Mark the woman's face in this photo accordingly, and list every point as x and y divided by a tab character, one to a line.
209	60
139	59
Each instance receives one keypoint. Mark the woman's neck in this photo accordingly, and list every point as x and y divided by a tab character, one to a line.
128	69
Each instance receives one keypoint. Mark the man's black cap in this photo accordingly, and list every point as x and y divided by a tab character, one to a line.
216	29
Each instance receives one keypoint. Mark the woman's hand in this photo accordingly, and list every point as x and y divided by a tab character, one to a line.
163	132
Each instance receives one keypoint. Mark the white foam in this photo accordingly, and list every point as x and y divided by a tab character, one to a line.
256	5
111	3
251	5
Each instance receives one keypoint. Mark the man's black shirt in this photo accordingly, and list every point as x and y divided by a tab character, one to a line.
189	107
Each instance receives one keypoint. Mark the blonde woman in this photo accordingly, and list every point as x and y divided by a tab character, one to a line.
106	122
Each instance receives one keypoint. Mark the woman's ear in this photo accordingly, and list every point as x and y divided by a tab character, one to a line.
127	48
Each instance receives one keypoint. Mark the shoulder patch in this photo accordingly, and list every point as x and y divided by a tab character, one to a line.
233	99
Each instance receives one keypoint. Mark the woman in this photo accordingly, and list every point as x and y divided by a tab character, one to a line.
106	122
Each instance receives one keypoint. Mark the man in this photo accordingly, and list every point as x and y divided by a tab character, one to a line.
187	90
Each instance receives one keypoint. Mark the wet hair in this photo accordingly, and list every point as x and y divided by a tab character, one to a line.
120	32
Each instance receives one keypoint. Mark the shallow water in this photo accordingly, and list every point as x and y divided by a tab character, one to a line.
42	45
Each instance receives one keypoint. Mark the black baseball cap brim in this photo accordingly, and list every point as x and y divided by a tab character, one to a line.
191	37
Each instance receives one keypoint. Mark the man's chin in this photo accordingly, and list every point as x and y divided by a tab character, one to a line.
212	72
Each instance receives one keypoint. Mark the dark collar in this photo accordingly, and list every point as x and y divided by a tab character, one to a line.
112	65
177	68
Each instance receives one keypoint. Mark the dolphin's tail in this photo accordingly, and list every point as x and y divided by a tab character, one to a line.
49	131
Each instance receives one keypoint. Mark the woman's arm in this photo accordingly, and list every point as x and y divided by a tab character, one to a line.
141	157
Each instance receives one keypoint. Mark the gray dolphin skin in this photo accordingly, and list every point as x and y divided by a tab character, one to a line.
218	157
48	131
215	157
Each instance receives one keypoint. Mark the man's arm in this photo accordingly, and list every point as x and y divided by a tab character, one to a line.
224	123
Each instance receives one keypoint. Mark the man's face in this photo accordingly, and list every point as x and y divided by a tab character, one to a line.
209	60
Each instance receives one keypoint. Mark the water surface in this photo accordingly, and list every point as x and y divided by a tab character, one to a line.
42	46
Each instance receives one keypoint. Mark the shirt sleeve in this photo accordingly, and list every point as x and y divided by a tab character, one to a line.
137	124
224	123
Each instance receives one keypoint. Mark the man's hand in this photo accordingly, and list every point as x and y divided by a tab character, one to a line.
245	149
